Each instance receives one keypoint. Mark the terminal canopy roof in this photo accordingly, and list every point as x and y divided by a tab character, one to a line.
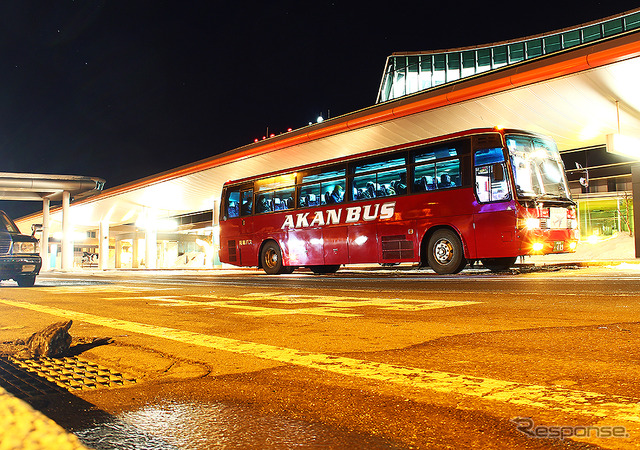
578	96
32	186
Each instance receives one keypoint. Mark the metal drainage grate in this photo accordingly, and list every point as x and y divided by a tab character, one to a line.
73	373
23	384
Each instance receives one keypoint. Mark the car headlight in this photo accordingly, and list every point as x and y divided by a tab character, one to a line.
25	247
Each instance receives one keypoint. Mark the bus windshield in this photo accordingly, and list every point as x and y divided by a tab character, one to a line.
537	168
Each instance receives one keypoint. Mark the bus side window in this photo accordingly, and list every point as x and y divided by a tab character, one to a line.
333	192
491	182
247	203
392	182
448	174
264	203
309	195
424	178
232	204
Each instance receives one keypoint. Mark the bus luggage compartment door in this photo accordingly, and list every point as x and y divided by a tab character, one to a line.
335	245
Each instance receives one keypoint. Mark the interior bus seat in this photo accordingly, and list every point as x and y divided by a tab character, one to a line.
327	198
371	190
289	203
382	191
233	209
303	201
277	204
246	207
399	187
313	200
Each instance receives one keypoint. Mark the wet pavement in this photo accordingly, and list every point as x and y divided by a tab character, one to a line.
198	425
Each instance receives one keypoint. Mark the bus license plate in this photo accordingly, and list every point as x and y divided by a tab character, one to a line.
28	267
558	246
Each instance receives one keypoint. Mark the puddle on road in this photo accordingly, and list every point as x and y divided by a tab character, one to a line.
177	425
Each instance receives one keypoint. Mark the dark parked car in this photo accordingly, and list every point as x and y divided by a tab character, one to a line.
19	254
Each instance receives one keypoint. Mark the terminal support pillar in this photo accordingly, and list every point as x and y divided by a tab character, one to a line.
134	251
635	181
44	239
67	241
151	247
118	253
103	249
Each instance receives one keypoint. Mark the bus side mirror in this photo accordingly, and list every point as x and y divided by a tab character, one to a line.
498	172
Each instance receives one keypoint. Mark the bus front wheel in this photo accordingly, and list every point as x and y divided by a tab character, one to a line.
445	252
271	259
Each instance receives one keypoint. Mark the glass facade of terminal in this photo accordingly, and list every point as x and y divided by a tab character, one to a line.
410	73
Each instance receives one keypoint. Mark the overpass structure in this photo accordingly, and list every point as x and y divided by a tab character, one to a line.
577	85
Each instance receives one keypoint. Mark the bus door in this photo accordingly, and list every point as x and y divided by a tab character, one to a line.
495	215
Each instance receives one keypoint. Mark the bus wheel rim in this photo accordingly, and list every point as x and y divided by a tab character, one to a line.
443	251
271	258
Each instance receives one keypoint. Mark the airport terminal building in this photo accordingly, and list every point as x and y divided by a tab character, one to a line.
577	85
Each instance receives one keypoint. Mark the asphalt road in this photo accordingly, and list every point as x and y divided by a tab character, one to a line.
390	358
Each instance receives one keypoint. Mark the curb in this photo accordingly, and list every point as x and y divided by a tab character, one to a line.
22	427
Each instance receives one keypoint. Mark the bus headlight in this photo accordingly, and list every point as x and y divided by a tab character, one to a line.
537	246
573	245
528	223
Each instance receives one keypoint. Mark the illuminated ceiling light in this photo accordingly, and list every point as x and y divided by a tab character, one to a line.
621	144
589	132
76	236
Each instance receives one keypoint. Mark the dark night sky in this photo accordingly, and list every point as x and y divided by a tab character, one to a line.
125	89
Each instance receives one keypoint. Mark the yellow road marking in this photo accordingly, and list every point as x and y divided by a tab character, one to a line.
612	407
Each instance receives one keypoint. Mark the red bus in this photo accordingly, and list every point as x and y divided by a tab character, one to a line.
484	194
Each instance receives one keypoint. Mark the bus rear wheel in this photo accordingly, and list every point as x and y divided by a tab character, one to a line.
320	270
445	253
498	264
271	259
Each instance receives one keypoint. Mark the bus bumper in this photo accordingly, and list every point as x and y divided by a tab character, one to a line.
544	242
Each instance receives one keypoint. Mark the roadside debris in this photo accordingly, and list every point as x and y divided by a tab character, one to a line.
51	342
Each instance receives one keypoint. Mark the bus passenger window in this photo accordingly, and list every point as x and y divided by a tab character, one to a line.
247	203
424	178
448	174
333	192
364	187
309	195
283	199
392	182
263	203
233	201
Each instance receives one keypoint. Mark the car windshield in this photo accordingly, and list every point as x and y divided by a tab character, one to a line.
7	224
537	168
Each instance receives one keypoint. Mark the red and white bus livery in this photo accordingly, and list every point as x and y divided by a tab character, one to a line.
486	194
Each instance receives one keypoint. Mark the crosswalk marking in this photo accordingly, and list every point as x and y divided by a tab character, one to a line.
321	305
